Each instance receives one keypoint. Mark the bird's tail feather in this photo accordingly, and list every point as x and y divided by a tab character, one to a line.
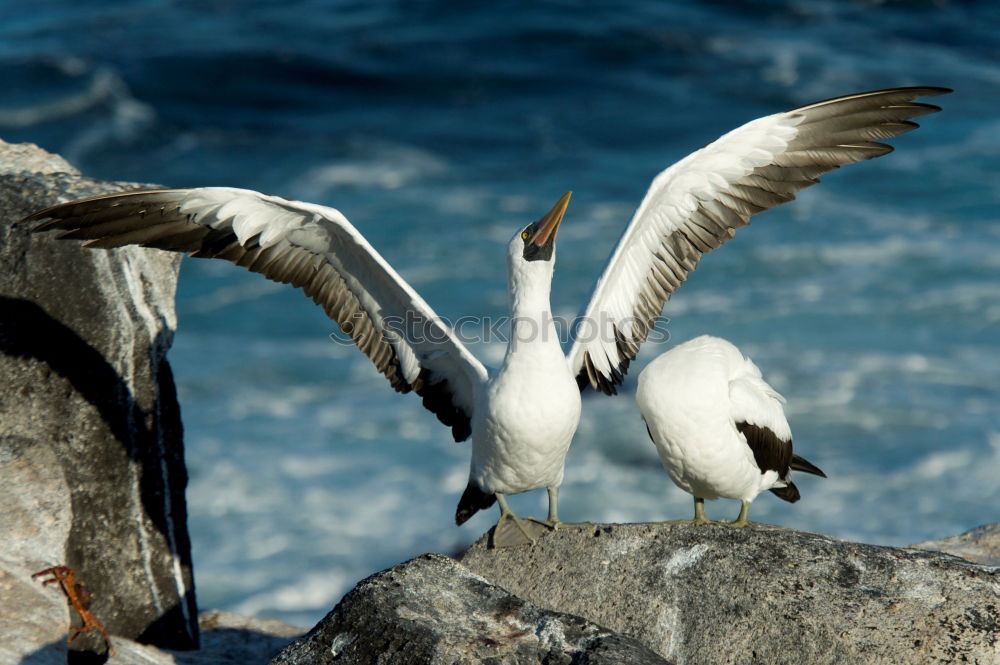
802	464
473	500
789	492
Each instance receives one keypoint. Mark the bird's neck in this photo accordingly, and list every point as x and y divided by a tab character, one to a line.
532	330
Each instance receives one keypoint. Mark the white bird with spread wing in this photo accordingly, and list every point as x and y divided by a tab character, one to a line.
521	417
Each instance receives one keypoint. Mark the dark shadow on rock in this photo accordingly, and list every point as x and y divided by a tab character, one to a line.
86	658
27	331
50	654
221	646
240	646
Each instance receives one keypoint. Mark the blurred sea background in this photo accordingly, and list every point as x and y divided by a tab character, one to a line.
872	302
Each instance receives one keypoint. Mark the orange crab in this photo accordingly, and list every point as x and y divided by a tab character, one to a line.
79	598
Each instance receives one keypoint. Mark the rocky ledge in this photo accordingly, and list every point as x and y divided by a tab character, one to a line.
678	593
980	545
434	610
714	594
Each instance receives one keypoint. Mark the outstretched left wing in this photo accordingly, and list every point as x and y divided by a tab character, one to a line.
698	203
311	247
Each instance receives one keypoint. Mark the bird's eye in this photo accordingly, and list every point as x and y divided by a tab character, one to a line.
524	235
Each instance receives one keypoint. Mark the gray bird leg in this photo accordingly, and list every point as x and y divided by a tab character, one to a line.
554	520
699	515
699	511
742	520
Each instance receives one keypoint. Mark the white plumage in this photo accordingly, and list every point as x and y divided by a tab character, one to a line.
698	203
522	417
518	438
719	428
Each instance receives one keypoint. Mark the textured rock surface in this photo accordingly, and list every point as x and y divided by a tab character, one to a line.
431	610
713	594
226	639
91	459
34	524
231	638
980	545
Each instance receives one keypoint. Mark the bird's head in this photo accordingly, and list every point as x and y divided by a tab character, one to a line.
533	248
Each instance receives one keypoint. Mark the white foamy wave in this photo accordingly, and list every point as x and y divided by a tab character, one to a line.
264	401
895	506
369	510
101	93
102	86
944	492
312	590
371	163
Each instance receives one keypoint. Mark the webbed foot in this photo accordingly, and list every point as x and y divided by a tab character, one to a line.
512	531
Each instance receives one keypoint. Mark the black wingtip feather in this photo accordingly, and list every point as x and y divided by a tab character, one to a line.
935	90
473	500
436	397
789	493
912	91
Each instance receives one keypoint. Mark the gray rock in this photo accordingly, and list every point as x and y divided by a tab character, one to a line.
431	610
226	639
34	520
980	545
714	594
232	638
87	403
29	158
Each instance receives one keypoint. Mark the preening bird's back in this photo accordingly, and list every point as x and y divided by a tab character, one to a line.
690	381
685	398
753	401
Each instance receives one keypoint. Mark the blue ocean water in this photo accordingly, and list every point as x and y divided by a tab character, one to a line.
872	302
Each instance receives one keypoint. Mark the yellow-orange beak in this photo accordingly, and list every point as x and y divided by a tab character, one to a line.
550	223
